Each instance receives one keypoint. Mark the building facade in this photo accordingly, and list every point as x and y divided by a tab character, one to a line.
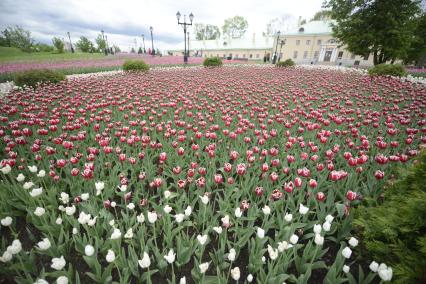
311	43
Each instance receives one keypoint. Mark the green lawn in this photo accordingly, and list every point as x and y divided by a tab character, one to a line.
11	54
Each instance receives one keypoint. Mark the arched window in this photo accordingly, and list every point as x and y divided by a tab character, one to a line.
301	30
331	40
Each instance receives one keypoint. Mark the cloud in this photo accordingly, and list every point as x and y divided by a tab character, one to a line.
125	20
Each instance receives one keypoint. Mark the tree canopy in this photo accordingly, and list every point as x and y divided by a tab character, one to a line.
100	42
384	28
17	37
84	44
58	44
321	15
235	27
283	23
206	32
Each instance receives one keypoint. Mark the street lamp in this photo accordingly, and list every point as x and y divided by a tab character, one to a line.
152	41
184	24
188	44
69	37
274	59
103	38
143	40
106	44
281	47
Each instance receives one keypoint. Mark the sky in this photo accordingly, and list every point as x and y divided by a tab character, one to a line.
126	20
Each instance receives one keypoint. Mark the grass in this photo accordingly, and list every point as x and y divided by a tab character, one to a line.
11	54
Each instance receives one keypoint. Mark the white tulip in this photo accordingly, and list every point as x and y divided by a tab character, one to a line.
152	217
130	206
58	263
41	173
28	185
282	246
113	204
140	218
346	268
36	192
32	169
218	230
6	169
203	267
225	220
110	257
170	257
167	194
6	221
116	234
89	250
204	199
62	280
122	188
70	210
294	239
41	281
58	221
317	229
6	257
92	222
329	218
374	266
39	211
179	217
353	242
188	211
232	254
238	212
303	209
167	209
112	223
288	217
273	253
15	247
319	240
44	244
182	280
84	196
260	233
74	231
249	278
326	226
263	259
65	198
266	210
235	273
202	239
145	262
129	234
100	185
385	273
346	252
83	218
20	177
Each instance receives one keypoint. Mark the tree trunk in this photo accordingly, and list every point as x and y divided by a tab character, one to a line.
375	58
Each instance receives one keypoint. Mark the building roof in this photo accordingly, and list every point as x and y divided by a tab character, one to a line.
257	42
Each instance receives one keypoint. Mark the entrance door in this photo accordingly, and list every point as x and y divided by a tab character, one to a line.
327	55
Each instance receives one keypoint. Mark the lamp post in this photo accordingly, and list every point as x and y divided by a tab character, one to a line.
188	44
281	47
69	37
106	45
274	59
103	38
143	41
184	24
152	41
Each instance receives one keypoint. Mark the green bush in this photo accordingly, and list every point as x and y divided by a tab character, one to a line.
387	70
395	231
285	63
135	65
32	78
212	62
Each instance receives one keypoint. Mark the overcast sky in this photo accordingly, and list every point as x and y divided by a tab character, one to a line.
125	20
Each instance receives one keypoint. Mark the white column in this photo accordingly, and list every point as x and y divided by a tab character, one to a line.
334	55
321	55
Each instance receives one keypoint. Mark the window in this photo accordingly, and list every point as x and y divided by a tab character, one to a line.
331	40
305	55
319	42
340	55
316	54
295	54
301	30
353	56
366	57
298	42
257	55
244	56
251	55
308	42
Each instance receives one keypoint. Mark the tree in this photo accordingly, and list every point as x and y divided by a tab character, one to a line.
59	44
42	47
416	53
84	44
382	27
116	48
321	16
235	27
101	43
140	50
132	50
206	32
283	23
18	37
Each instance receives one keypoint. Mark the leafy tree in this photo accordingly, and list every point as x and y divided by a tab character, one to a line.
101	43
140	50
283	23
132	50
42	47
235	27
417	51
382	27
17	37
116	48
321	15
59	44
84	44
206	32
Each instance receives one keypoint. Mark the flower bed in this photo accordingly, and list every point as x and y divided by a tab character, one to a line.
199	175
